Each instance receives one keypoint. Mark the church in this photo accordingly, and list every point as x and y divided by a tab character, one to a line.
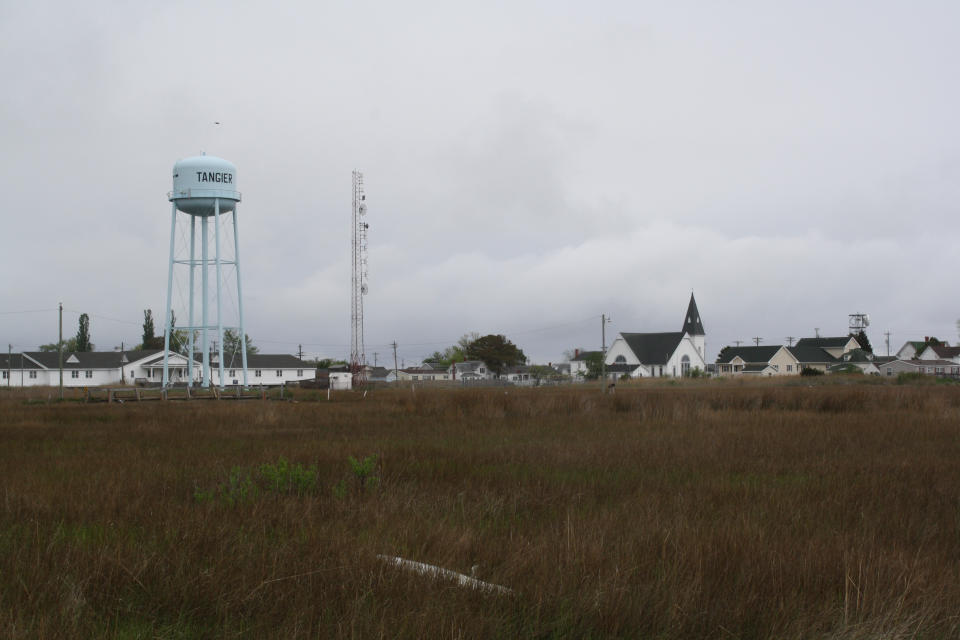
653	355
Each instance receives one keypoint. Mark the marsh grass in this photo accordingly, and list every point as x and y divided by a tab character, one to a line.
705	510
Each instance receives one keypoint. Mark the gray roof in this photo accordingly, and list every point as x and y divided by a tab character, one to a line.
927	363
622	368
653	348
811	355
828	343
16	361
943	351
692	324
468	365
90	359
748	354
755	368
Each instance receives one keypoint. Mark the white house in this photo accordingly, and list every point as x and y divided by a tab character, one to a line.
99	368
578	364
766	360
913	348
80	369
940	352
926	367
679	353
835	346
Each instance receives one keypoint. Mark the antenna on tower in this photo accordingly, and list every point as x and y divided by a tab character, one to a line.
358	356
859	322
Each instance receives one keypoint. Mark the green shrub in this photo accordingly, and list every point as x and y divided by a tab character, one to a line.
245	485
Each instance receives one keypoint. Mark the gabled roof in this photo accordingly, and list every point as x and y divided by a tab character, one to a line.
756	368
928	363
426	372
622	368
468	365
89	359
653	348
825	343
944	351
748	354
692	324
811	355
16	361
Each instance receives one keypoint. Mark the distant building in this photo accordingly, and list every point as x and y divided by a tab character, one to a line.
766	360
99	368
644	355
836	346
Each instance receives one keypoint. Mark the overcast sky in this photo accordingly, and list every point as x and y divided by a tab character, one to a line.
529	166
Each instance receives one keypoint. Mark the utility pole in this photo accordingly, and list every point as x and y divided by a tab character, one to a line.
396	371
816	330
738	342
603	350
790	340
9	358
757	341
374	358
300	351
887	334
60	350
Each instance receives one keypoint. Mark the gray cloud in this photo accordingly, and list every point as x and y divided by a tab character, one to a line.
528	165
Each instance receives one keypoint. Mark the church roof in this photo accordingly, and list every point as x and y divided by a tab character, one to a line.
692	324
653	348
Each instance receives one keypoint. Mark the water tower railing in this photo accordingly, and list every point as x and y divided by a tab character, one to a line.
226	194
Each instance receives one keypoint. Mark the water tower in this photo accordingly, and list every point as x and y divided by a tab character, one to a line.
204	187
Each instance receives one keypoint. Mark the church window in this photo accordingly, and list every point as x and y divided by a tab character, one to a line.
620	360
685	366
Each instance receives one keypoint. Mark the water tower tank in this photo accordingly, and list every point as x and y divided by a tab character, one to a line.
199	180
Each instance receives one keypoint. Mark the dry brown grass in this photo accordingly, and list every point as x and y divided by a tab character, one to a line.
700	511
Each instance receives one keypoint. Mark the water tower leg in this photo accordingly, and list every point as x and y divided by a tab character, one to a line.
236	266
166	333
203	302
193	268
216	235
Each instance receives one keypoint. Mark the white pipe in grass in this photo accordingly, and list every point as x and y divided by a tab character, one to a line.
439	572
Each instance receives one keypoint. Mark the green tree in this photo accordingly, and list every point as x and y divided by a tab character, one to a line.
594	360
448	356
861	337
231	344
69	345
179	342
150	339
543	372
83	334
326	363
496	351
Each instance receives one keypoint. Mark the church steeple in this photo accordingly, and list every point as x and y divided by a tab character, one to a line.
692	325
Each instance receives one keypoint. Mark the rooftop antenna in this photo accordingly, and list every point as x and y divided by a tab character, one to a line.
358	279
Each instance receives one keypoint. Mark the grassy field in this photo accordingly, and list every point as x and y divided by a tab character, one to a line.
707	510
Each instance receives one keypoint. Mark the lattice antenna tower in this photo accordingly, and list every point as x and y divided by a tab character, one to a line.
358	356
859	322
